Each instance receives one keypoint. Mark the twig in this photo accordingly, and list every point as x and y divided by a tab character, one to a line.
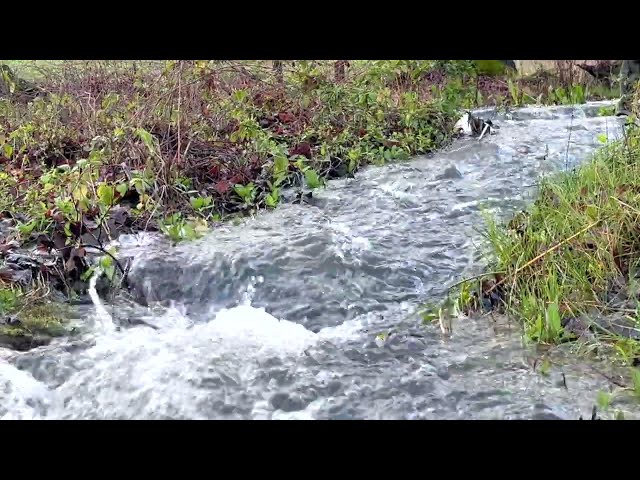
626	205
611	379
566	156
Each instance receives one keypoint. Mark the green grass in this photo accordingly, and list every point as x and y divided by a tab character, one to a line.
563	257
33	69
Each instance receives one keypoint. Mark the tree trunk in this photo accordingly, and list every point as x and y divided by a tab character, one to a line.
277	71
340	68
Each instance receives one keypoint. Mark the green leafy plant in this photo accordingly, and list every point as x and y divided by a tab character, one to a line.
8	300
246	192
202	204
178	228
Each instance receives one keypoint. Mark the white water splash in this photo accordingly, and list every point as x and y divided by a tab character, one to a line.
103	317
185	370
20	394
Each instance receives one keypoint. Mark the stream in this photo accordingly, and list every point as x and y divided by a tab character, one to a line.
278	317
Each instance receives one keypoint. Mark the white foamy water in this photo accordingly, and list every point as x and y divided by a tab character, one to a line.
167	373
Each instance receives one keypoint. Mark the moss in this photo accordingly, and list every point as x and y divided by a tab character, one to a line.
34	326
45	318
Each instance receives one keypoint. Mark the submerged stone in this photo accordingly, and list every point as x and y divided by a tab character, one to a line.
451	173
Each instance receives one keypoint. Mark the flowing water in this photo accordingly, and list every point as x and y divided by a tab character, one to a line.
277	318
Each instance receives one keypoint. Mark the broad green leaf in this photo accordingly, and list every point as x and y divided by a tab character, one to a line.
146	138
122	189
553	318
106	262
106	194
280	164
110	272
197	203
603	399
311	176
8	150
272	199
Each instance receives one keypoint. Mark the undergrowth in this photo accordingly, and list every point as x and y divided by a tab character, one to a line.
95	149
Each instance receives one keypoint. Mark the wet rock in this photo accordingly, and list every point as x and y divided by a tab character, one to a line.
577	326
33	326
450	173
6	225
545	416
14	275
443	372
618	324
23	343
307	198
334	387
578	127
10	320
21	261
286	402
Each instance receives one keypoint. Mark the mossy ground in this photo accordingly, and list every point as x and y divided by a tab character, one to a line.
26	323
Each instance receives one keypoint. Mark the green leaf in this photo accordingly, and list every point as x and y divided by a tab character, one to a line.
118	133
553	318
602	138
27	228
197	203
122	189
636	381
246	192
240	95
110	272
106	194
87	274
312	178
280	165
106	262
592	211
603	400
8	150
272	199
146	138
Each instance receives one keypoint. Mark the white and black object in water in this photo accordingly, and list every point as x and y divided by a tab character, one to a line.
474	126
